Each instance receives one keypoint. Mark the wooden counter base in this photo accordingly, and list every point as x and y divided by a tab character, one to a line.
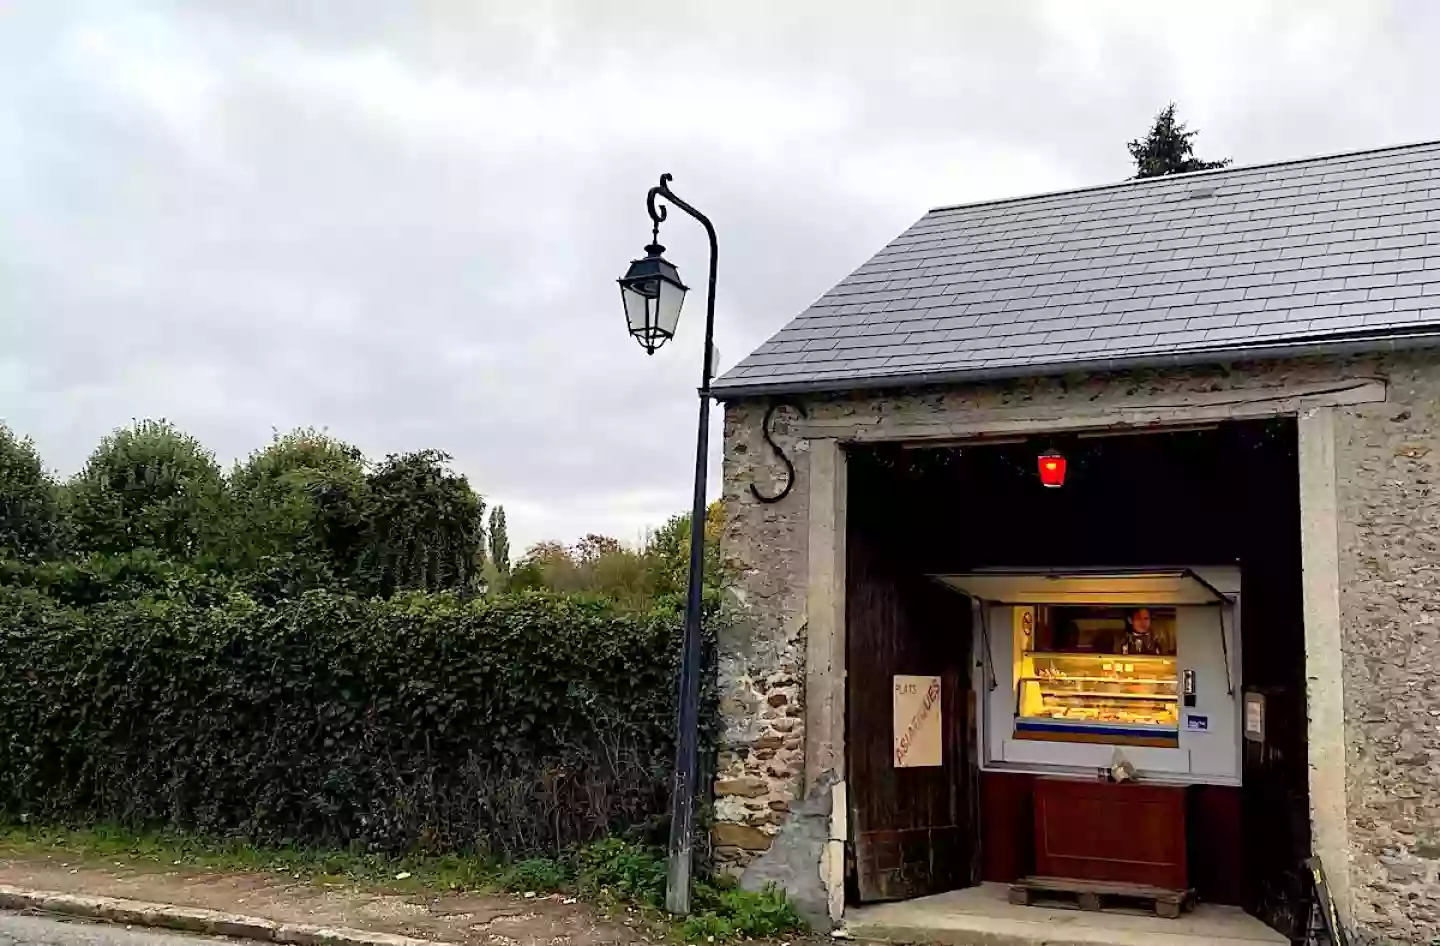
1123	833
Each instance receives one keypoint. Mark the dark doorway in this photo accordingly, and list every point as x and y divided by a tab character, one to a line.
1222	495
914	831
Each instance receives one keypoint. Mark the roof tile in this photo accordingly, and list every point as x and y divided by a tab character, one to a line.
1138	270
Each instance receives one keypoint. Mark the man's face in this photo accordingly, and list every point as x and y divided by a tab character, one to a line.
1141	621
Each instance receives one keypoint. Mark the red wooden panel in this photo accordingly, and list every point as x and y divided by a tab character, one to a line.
1125	833
1007	826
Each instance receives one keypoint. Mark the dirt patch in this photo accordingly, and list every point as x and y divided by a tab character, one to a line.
464	918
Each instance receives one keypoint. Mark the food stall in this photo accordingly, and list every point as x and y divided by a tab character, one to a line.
1116	690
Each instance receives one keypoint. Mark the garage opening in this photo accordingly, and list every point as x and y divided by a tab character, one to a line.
1001	675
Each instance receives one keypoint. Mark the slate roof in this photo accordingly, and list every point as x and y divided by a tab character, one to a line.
1274	259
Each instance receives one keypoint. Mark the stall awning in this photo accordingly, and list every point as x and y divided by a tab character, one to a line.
1112	587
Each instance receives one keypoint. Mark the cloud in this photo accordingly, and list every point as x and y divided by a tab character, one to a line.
403	221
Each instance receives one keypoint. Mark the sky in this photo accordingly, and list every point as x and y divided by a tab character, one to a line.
401	221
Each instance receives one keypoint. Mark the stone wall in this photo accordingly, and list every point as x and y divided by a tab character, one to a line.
1388	463
762	657
1388	474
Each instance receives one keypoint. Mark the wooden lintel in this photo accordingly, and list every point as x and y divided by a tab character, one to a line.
1167	411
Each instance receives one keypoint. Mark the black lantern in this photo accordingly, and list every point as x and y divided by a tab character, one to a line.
653	293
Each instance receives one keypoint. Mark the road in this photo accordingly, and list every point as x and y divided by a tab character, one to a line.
26	930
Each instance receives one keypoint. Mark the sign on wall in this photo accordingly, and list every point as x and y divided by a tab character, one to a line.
1255	717
917	722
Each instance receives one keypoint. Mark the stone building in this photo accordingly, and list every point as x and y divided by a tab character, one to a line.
1242	370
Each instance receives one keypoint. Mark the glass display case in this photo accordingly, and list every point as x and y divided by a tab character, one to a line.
1126	699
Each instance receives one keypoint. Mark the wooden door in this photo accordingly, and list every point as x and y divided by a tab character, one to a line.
912	828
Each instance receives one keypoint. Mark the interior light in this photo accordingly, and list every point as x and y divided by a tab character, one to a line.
1052	469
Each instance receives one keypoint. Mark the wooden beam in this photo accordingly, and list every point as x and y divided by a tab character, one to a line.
1130	413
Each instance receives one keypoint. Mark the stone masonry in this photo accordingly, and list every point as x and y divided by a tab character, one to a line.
1387	459
1388	473
761	665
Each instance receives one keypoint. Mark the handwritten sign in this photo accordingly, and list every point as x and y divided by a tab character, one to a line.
1255	717
917	721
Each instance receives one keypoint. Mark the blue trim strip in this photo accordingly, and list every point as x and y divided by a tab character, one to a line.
1099	729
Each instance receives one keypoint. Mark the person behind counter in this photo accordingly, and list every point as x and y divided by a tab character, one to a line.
1140	637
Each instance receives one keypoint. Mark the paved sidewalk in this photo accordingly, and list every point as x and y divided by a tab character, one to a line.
467	919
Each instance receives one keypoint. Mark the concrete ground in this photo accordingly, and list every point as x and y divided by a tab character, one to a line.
983	916
461	918
23	930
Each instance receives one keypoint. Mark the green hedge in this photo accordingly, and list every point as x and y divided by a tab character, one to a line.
515	727
94	579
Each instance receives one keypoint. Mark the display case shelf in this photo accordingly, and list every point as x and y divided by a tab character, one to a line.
1101	695
1093	657
1127	699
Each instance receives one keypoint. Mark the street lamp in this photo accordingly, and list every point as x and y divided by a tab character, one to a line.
653	293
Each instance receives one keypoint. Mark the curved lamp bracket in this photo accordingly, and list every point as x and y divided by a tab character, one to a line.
658	212
775	448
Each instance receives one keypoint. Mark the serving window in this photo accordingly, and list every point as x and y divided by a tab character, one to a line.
1096	674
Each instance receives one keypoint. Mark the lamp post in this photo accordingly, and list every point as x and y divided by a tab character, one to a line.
653	293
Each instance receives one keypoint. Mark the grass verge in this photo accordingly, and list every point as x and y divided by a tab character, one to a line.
609	872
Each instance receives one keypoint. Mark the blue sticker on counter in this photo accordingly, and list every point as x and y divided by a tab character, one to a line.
1197	723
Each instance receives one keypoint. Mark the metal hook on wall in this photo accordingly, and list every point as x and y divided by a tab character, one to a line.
775	448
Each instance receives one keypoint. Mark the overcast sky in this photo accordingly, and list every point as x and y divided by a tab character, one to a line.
402	220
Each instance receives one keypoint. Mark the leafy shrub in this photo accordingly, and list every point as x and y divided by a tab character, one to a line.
618	870
721	910
624	870
537	875
425	524
297	515
95	578
506	727
148	485
31	526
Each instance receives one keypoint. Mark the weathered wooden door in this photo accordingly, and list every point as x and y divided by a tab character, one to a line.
911	828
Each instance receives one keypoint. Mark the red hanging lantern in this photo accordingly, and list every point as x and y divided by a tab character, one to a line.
1052	469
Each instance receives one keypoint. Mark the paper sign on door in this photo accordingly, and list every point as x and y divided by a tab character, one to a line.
917	722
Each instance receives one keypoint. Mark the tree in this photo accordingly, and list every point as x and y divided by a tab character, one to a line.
656	574
596	565
148	486
594	547
299	508
425	526
668	552
1168	148
31	526
497	565
545	566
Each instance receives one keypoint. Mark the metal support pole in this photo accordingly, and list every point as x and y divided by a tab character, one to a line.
682	798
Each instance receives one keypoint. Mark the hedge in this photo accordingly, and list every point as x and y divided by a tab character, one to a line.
511	727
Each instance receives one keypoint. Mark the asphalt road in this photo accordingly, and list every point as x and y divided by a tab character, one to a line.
27	930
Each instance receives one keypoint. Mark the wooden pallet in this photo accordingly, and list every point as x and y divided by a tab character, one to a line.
1096	895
